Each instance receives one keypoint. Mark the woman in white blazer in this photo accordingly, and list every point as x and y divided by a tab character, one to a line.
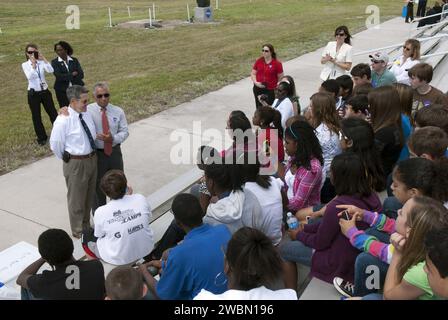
337	56
410	57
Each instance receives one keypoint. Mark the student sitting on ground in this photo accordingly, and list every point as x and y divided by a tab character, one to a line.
357	107
125	283
361	74
253	268
195	263
428	142
345	93
282	102
405	279
321	245
436	267
85	278
424	94
302	175
121	234
330	87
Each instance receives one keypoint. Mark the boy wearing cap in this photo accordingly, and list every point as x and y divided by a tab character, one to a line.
381	76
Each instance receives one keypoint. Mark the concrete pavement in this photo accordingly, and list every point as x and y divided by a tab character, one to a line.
33	198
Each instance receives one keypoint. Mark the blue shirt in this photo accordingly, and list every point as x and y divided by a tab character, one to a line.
406	128
195	264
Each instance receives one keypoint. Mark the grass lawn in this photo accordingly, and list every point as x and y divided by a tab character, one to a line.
152	70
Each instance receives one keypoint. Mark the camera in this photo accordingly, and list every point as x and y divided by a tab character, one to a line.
36	55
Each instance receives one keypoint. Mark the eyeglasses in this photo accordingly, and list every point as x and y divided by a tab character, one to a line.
406	48
100	96
265	50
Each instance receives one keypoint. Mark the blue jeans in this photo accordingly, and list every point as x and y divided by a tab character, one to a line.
26	294
373	296
391	206
364	276
296	251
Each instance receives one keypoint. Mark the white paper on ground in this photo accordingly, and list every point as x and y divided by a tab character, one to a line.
15	259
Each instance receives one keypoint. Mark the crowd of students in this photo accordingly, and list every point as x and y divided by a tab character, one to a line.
360	135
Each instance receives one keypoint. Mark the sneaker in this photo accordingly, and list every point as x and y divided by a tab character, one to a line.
345	288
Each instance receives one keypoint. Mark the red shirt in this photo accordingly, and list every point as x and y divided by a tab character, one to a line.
268	72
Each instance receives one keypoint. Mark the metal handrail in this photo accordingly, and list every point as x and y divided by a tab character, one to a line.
430	25
434	54
398	45
433	15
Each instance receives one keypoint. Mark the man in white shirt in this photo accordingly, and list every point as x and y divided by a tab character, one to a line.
72	140
122	234
109	136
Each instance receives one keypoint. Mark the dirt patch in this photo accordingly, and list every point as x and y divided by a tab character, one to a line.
165	24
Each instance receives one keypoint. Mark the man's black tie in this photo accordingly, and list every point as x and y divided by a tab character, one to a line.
89	134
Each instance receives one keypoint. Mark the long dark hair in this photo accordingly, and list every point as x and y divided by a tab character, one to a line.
345	29
308	146
270	116
253	260
361	134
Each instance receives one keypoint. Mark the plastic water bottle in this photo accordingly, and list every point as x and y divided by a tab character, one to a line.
292	221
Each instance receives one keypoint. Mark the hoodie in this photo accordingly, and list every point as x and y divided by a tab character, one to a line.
333	255
239	209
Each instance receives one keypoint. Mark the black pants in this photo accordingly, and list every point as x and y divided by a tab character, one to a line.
62	98
173	235
270	93
35	98
328	192
421	9
410	12
106	163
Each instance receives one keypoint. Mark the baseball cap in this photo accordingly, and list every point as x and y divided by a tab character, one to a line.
380	56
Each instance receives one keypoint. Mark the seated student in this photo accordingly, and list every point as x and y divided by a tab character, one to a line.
428	142
436	267
125	283
121	234
356	136
321	245
363	89
268	191
425	94
361	75
358	107
345	92
386	122
330	87
436	116
240	130
56	248
325	121
253	268
381	76
282	102
405	277
302	175
269	120
195	263
295	99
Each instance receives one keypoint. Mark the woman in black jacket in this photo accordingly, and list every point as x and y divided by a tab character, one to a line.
67	71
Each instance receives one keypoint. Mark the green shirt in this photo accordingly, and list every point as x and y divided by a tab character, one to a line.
417	277
386	79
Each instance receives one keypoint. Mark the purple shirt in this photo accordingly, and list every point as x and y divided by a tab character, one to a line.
334	256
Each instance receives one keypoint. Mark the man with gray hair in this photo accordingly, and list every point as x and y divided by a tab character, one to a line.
73	140
112	129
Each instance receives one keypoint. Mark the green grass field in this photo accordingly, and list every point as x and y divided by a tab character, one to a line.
151	70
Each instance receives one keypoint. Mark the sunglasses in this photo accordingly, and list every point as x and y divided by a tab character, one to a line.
263	50
340	34
30	52
406	48
106	95
376	61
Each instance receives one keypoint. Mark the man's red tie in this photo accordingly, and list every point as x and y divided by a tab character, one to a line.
107	145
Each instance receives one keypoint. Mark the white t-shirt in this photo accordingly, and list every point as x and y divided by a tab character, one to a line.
271	208
285	108
260	293
123	231
400	69
344	55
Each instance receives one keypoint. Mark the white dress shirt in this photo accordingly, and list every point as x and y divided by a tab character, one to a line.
118	124
285	108
32	74
66	65
400	69
344	55
69	135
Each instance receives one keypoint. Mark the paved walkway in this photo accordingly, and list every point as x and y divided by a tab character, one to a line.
33	198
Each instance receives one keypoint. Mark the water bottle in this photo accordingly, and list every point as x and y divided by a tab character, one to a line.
292	221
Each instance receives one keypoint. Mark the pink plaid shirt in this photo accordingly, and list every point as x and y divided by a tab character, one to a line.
307	185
